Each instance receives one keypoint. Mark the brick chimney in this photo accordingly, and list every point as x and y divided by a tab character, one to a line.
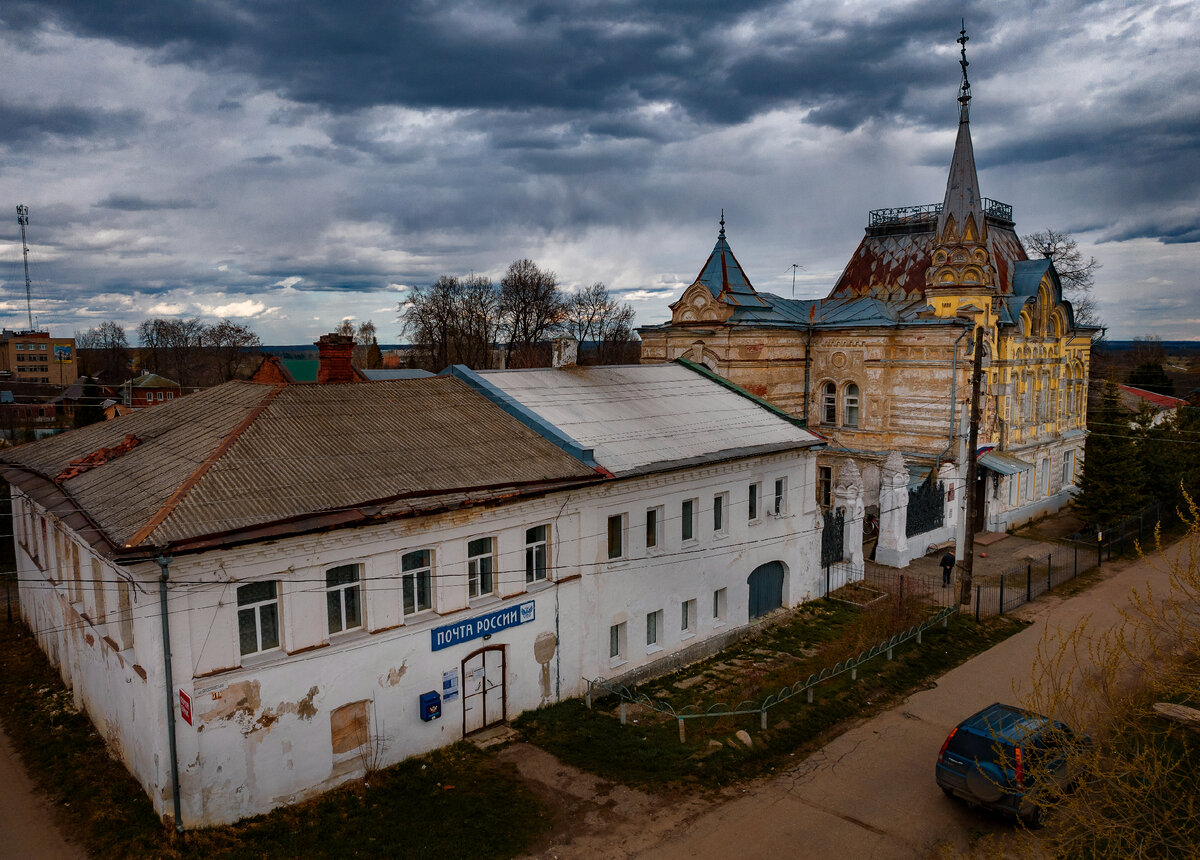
335	352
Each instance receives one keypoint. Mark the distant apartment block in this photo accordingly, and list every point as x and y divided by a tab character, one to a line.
34	356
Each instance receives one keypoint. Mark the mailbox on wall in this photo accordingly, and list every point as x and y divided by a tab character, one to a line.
431	706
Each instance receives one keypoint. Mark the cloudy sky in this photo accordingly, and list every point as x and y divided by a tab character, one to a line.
290	164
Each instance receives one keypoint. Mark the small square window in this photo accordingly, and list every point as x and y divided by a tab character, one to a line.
537	553
755	492
416	575
481	565
687	520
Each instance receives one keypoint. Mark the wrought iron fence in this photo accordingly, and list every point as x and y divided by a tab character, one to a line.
833	537
926	508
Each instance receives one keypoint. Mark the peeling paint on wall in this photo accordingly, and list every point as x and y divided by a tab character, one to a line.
392	678
544	647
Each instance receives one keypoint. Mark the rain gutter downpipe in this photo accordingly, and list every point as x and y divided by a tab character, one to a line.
953	383
164	564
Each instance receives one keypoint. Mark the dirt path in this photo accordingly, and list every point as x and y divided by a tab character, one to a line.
27	829
868	793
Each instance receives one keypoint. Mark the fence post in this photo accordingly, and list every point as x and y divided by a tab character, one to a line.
682	732
1099	548
1049	570
1028	581
810	695
587	699
978	591
1075	569
764	719
622	712
1002	578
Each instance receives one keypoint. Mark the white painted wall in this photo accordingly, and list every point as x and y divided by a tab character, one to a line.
261	732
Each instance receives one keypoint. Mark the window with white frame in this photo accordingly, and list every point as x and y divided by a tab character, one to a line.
687	616
779	506
342	597
1013	485
616	641
687	520
720	505
719	604
20	347
537	553
416	579
828	403
654	628
1043	472
1068	468
653	527
258	616
755	500
616	536
481	566
850	406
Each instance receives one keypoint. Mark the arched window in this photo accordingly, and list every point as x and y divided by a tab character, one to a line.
828	403
850	405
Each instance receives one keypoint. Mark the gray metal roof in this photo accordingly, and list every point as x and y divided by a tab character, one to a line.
395	373
245	456
650	417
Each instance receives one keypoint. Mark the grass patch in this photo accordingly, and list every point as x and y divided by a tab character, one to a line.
428	807
648	752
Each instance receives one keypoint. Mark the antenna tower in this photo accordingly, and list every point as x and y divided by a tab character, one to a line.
23	220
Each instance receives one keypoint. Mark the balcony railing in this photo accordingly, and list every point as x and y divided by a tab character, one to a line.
929	211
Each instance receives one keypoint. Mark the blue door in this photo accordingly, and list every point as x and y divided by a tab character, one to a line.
766	588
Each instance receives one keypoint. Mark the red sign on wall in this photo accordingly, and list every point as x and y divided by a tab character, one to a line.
185	707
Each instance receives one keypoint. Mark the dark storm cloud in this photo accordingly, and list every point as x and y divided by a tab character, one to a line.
605	56
136	203
63	124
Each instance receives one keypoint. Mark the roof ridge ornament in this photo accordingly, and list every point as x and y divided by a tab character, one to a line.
721	235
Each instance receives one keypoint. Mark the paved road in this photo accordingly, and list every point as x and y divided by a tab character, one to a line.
26	828
871	792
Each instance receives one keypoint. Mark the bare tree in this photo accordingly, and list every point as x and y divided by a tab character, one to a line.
231	344
593	315
453	320
531	309
1078	275
104	352
173	347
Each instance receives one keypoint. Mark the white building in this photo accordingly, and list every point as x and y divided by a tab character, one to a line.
335	557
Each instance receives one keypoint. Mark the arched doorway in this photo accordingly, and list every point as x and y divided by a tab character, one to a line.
766	588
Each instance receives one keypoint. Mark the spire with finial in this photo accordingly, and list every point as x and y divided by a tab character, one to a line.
961	257
721	235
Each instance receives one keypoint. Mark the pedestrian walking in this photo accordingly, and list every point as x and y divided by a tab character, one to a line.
947	564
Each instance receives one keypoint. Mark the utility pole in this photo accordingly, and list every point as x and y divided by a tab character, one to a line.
964	596
23	220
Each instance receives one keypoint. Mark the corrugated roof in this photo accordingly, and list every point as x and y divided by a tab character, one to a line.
649	417
395	373
152	380
1158	401
244	456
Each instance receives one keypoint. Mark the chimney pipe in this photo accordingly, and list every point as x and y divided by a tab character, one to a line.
335	353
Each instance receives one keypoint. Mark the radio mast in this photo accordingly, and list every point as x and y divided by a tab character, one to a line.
23	220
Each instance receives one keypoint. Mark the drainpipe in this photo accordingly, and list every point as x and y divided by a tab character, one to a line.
953	383
807	365
164	563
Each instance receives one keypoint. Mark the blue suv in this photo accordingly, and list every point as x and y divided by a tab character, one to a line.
1011	760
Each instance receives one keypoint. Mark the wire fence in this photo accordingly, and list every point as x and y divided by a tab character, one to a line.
804	686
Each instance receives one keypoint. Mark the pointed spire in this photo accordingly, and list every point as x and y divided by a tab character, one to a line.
962	187
721	235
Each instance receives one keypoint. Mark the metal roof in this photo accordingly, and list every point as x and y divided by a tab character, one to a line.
395	373
1004	464
245	456
723	274
649	417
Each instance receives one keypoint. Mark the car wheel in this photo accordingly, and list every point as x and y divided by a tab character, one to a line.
949	792
1035	818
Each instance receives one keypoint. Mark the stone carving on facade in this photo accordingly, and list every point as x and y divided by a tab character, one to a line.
848	498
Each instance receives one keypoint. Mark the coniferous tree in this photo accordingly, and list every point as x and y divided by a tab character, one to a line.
1111	484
